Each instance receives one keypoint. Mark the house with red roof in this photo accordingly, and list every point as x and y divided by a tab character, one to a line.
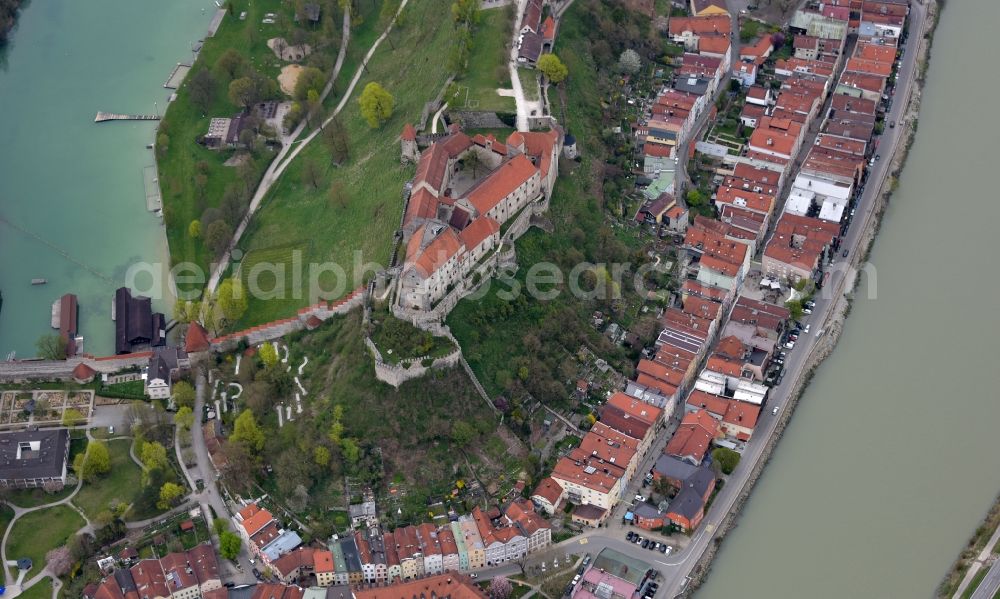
693	438
798	246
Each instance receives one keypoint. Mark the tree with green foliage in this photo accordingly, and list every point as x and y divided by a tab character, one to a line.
194	229
462	433
220	525
232	299
229	545
310	79
268	355
552	68
202	89
186	311
230	64
51	346
726	459
795	308
184	418
352	453
242	92
93	462
170	494
217	236
183	394
376	104
72	417
162	144
465	12
321	456
153	456
247	432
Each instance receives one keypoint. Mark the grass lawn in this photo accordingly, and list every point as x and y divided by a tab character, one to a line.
122	483
268	272
6	514
37	533
126	390
355	224
40	590
529	82
183	122
487	68
36	497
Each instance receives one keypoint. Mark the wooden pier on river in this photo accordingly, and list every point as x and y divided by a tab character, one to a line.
111	116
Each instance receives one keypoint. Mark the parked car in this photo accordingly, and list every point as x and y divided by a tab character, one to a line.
640	498
645	543
775	410
892	124
807	311
878	157
844	253
256	573
663	548
652	546
806	330
630	536
790	345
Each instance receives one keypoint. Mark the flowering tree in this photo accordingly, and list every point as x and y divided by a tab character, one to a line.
500	588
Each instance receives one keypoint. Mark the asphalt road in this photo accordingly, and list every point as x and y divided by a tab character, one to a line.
676	568
990	584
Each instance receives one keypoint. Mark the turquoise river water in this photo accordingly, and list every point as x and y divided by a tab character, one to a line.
72	198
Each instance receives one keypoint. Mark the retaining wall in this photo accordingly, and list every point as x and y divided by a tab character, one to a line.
280	328
405	370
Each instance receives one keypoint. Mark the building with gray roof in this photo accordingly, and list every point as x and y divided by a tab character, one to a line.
33	458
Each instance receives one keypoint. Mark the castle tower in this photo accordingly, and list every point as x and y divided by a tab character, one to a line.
408	144
569	147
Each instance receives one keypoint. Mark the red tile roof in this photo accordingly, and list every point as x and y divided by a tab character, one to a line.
478	231
549	28
714	24
196	339
437	252
694	436
409	133
549	489
502	182
713	44
450	584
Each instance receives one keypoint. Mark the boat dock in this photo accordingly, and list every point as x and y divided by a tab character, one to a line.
111	116
177	75
151	184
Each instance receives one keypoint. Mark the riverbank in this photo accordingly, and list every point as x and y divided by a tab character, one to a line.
959	576
835	323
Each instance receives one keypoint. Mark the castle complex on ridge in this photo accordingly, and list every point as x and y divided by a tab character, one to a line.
465	191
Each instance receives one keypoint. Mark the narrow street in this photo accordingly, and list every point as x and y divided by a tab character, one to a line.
210	496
